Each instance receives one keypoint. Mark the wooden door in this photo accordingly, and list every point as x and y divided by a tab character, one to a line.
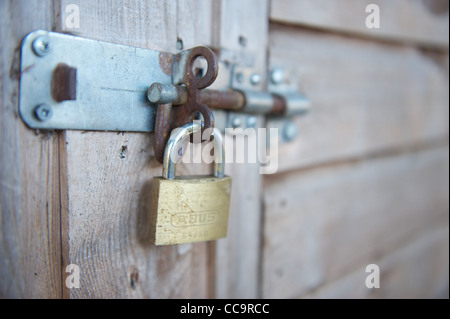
365	181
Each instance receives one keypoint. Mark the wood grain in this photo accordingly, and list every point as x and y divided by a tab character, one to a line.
324	223
195	22
190	23
365	182
108	190
417	270
243	31
30	253
366	96
123	22
109	220
421	22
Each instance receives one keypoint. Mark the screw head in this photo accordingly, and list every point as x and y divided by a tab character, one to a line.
290	131
276	76
43	112
41	45
236	122
251	121
255	79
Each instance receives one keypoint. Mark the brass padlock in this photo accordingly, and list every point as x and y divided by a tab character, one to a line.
189	209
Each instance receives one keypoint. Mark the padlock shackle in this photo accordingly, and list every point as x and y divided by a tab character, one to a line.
178	136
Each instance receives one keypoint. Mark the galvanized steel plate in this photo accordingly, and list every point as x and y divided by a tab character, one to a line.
111	84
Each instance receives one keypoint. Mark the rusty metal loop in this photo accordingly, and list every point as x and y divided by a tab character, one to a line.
190	80
183	114
162	130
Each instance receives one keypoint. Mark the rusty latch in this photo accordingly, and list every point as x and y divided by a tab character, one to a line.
69	82
177	103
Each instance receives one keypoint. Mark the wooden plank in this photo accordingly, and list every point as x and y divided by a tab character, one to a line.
243	31
366	97
123	22
195	23
324	223
109	174
108	223
417	22
30	254
417	270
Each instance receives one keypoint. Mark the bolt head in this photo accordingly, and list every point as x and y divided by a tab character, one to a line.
41	45
290	131
255	79
276	76
251	121
236	122
43	112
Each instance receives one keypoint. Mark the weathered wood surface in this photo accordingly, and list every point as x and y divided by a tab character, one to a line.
325	223
416	270
366	179
366	96
109	193
108	188
30	253
422	22
365	182
243	29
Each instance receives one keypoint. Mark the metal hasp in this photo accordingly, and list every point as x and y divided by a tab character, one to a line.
183	72
68	82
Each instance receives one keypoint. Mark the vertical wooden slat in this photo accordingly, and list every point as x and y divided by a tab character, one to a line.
30	254
195	26
108	190
194	22
243	30
228	25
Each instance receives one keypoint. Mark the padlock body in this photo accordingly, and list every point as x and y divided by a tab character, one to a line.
189	209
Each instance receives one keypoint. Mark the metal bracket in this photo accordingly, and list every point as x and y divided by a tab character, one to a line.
69	82
107	91
284	81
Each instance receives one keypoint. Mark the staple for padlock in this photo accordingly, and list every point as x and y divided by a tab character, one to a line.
181	134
